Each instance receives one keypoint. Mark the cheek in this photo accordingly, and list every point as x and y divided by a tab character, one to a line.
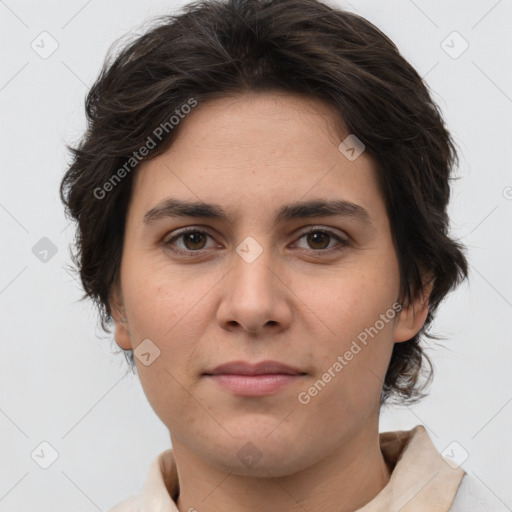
356	314
353	301
169	307
161	299
173	318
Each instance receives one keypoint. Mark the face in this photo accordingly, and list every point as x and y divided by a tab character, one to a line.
255	278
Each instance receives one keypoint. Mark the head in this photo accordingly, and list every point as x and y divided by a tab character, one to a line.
268	115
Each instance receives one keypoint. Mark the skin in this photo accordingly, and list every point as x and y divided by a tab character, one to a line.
296	303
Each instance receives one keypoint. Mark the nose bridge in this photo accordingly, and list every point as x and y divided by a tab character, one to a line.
252	275
253	296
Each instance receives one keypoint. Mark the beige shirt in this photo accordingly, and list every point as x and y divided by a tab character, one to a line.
421	481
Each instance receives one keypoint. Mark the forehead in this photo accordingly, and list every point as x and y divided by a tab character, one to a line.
258	152
252	120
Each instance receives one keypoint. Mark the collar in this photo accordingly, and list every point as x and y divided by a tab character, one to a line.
421	480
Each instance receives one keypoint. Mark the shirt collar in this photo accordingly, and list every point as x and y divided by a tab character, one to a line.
421	480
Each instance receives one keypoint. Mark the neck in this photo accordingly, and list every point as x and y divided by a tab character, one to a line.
344	481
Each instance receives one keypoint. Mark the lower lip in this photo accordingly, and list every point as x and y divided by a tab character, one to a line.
254	385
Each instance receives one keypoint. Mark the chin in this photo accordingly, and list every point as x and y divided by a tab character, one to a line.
259	455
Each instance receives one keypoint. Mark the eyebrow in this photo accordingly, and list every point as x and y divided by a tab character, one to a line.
171	207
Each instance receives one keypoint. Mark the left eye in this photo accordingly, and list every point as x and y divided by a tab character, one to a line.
320	236
319	239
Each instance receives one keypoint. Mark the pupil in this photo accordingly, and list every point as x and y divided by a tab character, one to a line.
194	238
315	236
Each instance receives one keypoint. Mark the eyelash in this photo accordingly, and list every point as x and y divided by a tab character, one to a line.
342	243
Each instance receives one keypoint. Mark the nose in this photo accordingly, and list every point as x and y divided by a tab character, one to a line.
255	298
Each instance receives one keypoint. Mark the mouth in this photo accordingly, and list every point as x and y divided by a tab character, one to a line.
261	379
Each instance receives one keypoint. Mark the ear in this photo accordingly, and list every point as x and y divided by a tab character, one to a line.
121	332
413	316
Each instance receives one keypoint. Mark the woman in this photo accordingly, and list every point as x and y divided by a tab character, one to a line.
261	199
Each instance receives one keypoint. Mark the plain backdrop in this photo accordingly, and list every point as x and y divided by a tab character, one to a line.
61	384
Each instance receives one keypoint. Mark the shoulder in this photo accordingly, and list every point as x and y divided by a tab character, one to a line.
128	505
474	496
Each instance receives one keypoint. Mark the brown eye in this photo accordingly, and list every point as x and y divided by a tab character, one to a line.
192	240
318	240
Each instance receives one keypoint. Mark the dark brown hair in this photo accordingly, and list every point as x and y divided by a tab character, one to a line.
217	48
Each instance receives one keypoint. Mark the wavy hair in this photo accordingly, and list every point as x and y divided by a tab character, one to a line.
216	48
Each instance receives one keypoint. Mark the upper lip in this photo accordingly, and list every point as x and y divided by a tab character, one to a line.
261	368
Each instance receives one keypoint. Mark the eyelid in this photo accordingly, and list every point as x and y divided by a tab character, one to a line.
323	229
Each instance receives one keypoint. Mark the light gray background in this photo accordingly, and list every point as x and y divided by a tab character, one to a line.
60	382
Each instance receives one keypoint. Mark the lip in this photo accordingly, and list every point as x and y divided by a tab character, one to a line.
245	379
261	368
